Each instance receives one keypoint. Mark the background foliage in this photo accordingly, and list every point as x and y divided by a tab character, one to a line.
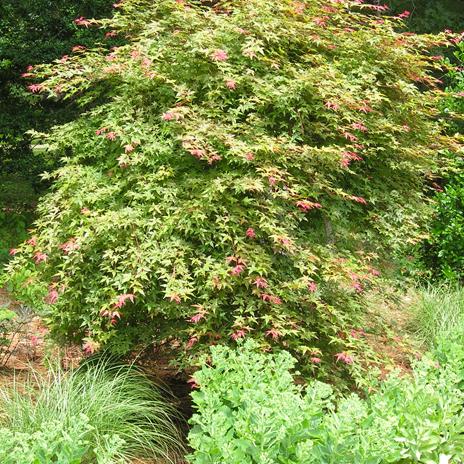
38	31
431	15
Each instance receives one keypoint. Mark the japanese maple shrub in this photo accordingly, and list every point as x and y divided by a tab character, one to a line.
238	168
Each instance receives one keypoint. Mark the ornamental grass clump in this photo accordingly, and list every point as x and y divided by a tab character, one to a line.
236	172
97	413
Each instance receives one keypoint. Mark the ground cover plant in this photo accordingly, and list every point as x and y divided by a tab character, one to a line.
249	410
238	180
99	413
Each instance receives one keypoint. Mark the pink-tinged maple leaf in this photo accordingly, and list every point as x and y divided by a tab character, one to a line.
240	333
101	131
306	205
250	156
174	297
111	34
359	126
35	88
32	241
111	136
360	200
299	7
320	21
349	136
110	314
213	158
197	153
193	384
30	68
219	55
250	233
69	246
357	286
405	14
192	341
315	360
13	251
272	180
348	157
238	269
196	318
365	108
34	340
374	272
344	357
312	287
26	75
78	48
357	333
273	333
260	282
231	84
89	347
52	296
40	257
81	21
85	211
271	298
284	241
129	148
111	57
122	299
332	106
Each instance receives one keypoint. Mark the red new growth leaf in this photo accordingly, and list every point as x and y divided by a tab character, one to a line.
40	257
240	333
273	333
271	298
344	357
250	233
196	318
111	136
236	270
306	205
191	342
219	55
260	282
122	299
405	14
312	287
360	200
81	21
32	241
69	246
359	126
332	106
35	88
52	296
